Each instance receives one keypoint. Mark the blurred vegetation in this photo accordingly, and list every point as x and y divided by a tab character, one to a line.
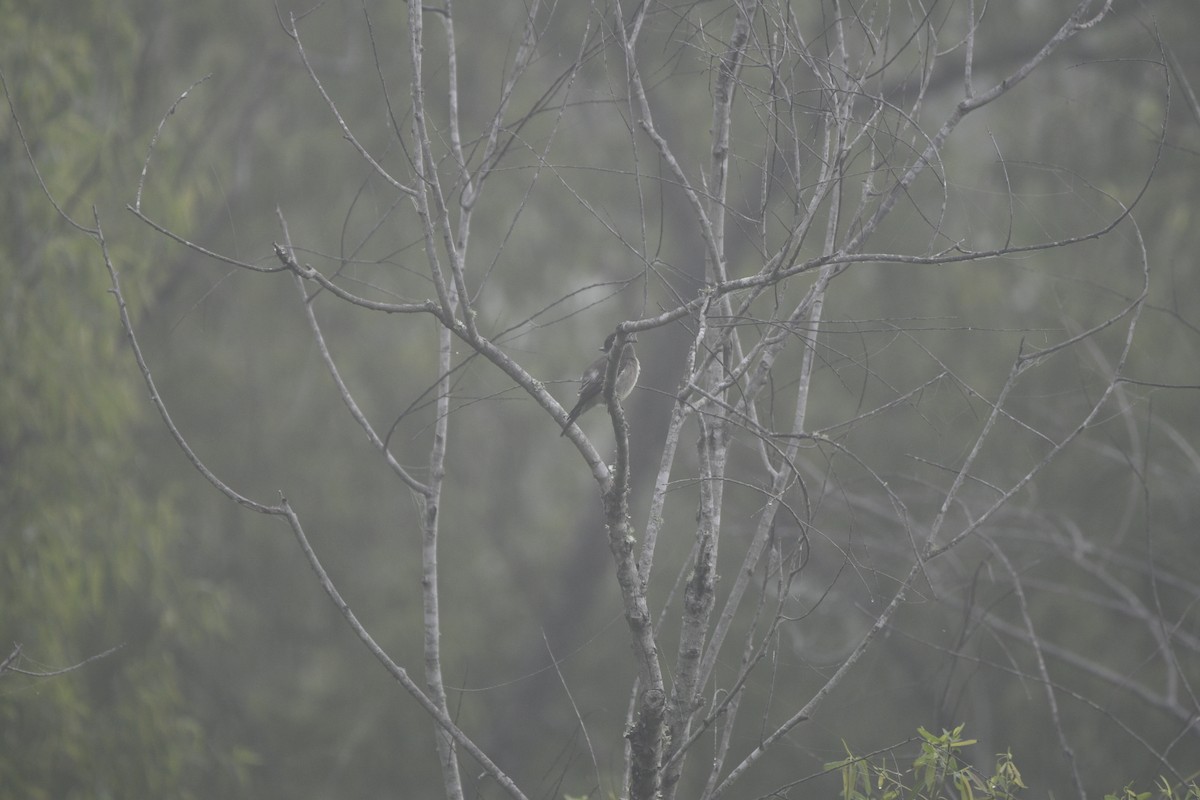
94	554
235	675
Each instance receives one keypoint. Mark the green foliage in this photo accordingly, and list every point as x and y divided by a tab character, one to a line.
1189	791
938	773
90	540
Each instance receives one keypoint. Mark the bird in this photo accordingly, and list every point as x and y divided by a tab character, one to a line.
591	385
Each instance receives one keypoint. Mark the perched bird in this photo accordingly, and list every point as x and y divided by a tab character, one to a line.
591	385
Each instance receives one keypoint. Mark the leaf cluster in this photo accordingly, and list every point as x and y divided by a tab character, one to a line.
941	770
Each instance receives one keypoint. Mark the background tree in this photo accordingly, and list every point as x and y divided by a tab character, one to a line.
889	274
94	563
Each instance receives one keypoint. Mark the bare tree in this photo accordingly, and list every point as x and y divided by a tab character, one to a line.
838	152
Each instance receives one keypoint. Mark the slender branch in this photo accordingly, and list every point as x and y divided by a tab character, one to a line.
7	664
137	202
294	33
12	110
1073	25
646	122
284	510
288	255
429	199
1064	746
435	710
156	398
